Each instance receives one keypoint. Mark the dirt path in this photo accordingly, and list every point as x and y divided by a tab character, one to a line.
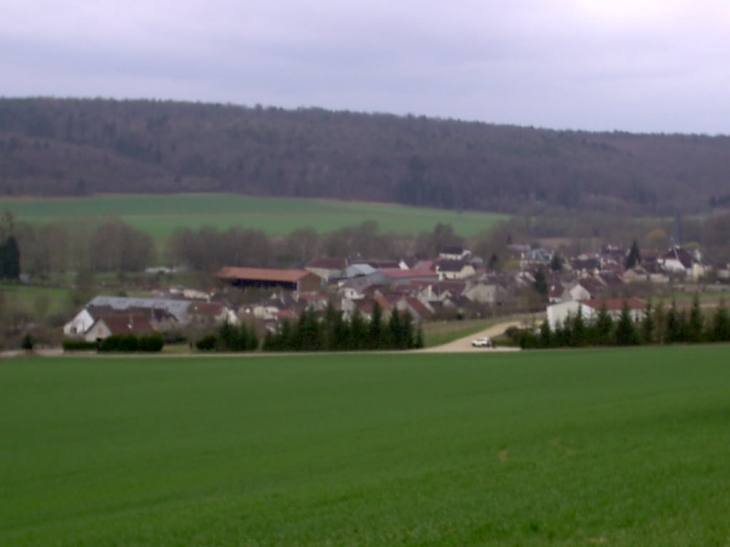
464	344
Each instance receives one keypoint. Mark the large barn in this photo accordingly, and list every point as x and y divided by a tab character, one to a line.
264	278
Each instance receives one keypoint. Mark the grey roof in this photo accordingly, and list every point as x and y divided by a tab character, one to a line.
358	269
177	308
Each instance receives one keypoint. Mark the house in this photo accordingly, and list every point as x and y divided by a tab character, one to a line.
493	295
210	313
586	264
163	314
365	306
454	253
405	277
118	324
265	278
676	260
357	270
557	314
418	310
327	268
454	269
583	289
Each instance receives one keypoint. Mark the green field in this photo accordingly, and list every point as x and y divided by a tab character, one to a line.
161	215
621	447
44	300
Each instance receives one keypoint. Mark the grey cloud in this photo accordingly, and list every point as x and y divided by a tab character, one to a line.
658	66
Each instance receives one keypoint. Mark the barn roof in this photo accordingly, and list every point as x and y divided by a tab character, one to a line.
126	324
177	308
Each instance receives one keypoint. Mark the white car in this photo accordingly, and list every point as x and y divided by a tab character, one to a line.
482	343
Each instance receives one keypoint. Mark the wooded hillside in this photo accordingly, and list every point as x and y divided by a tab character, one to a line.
79	146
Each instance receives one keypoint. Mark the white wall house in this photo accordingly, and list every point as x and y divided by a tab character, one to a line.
557	314
80	323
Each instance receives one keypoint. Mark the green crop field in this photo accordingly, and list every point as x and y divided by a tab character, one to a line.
618	447
161	215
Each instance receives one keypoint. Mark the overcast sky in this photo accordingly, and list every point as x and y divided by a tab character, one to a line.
635	65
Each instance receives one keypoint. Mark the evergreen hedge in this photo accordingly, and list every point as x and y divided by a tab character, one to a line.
230	338
78	345
333	333
658	326
129	343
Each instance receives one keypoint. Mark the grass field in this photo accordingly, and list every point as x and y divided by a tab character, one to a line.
55	299
161	215
622	447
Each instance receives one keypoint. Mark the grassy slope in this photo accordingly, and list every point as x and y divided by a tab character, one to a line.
561	448
160	215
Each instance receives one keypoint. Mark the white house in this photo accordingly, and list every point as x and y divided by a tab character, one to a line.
454	253
164	313
454	269
80	323
557	314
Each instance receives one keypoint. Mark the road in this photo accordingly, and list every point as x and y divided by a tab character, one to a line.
464	344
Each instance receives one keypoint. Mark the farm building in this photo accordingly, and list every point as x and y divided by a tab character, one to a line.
163	314
327	268
263	278
109	325
557	314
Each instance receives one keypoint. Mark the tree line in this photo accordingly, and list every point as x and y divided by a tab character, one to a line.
659	325
334	333
93	245
110	245
77	147
312	332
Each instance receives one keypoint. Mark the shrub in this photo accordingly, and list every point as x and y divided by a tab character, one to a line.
128	343
78	345
120	342
207	343
27	343
150	343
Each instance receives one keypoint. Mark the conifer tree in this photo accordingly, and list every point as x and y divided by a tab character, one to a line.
545	335
286	340
603	326
578	331
419	342
408	336
696	324
309	332
721	324
560	336
340	332
626	334
660	323
358	331
11	257
375	328
394	331
556	263
634	256
674	330
648	325
329	326
541	285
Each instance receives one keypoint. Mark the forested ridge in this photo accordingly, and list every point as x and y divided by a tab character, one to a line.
62	147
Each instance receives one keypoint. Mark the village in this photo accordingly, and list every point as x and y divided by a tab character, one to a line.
453	286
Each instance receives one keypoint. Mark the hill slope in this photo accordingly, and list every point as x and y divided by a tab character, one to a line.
79	146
